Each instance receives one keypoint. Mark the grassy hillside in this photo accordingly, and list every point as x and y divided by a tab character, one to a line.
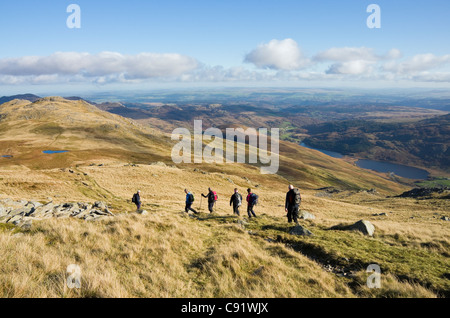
168	253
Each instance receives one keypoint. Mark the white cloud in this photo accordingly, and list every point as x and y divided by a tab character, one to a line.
102	65
354	60
432	77
347	54
418	63
278	55
277	62
356	67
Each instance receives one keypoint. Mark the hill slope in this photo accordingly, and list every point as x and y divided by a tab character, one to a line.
55	123
167	253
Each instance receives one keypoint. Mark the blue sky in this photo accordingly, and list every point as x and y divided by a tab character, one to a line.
224	42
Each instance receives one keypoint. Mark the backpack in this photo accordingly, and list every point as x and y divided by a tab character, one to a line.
253	199
215	196
297	197
239	199
133	200
191	198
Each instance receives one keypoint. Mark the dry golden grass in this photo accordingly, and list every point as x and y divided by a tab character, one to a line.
169	254
164	254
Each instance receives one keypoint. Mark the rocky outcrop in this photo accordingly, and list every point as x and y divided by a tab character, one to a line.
424	192
300	230
21	212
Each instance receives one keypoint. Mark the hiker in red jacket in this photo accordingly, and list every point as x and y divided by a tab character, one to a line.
252	200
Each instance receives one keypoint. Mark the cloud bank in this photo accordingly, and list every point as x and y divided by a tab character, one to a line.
100	67
274	61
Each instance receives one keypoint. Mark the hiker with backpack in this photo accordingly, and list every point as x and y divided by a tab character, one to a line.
189	201
236	201
252	200
292	204
212	198
137	200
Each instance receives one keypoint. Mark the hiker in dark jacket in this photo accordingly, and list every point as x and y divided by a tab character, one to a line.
236	201
189	202
212	198
137	200
251	203
292	204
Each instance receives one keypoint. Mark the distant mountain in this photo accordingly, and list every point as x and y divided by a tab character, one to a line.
32	98
425	142
76	98
29	97
55	123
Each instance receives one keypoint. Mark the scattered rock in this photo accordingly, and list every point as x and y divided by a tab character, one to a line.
2	211
242	223
330	190
300	230
159	163
380	214
21	213
445	218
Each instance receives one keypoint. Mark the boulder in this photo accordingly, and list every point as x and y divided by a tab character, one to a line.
100	205
43	210
16	219
26	225
305	215
300	230
364	227
142	212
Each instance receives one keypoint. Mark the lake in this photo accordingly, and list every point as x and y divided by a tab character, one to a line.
50	152
399	170
379	166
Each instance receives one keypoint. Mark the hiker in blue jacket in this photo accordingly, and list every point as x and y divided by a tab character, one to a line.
189	202
137	200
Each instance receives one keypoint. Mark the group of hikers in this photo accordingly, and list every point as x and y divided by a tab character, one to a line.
292	202
235	201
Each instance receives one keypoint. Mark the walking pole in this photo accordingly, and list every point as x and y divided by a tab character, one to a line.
201	201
